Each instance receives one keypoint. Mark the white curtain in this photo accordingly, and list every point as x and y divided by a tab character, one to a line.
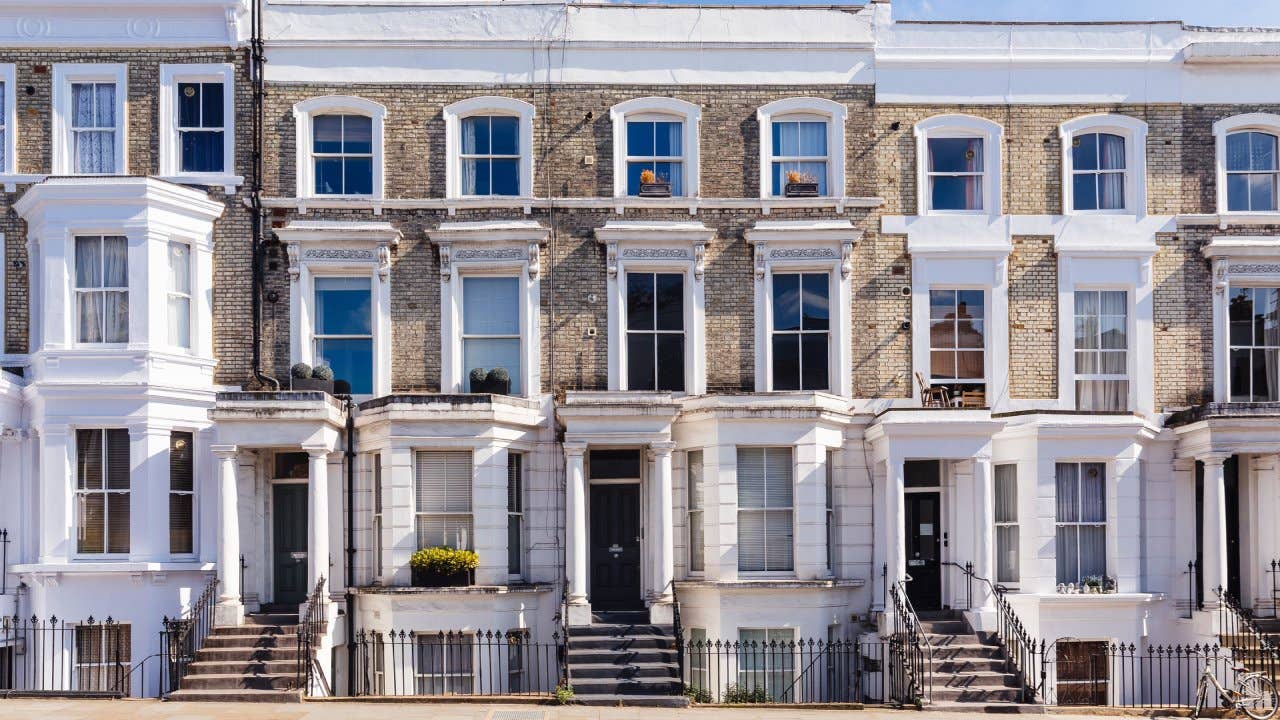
1006	518
1267	302
115	270
94	125
103	315
1082	515
1102	395
180	295
697	560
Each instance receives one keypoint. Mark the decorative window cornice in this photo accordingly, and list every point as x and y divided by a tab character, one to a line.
339	243
656	241
496	243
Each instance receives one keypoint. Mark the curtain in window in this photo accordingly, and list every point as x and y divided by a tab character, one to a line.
94	107
1268	300
180	295
443	497
1102	395
1111	185
1081	517
697	559
1006	518
115	274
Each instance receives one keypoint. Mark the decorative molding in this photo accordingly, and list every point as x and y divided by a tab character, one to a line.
323	254
1251	268
611	259
384	262
656	253
446	266
760	261
846	260
535	260
699	261
508	253
802	253
292	250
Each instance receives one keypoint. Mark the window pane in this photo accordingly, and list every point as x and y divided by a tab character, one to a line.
1113	332
1240	313
1262	151
666	140
357	134
786	302
1264	373
104	105
491	306
786	361
180	321
813	139
640	362
475	135
1093	550
955	155
91	525
751	477
504	177
751	540
443	482
942	365
505	135
1068	491
95	151
89	459
671	172
1084	152
956	193
777	466
328	176
211	105
326	132
118	522
786	140
814	368
357	176
1262	192
350	359
670	301
970	365
1111	191
1241	375
118	464
1110	152
816	301
640	301
343	306
180	507
1007	566
180	267
671	362
1237	192
488	354
1093	492
1006	482
633	175
181	465
640	139
969	333
779	544
189	104
1068	554
1084	191
202	151
88	262
942	304
1238	151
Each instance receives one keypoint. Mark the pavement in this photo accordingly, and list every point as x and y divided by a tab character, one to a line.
73	709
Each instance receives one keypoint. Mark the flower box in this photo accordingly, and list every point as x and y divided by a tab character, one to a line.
311	384
427	578
655	189
801	189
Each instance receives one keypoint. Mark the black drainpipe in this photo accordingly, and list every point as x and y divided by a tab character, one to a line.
351	546
257	61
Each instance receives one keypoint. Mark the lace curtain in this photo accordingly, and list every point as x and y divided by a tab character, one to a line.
102	289
94	127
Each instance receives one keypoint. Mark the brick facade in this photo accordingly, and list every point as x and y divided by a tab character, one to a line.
1033	319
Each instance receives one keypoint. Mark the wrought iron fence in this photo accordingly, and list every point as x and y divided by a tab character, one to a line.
182	637
911	655
58	657
1242	637
787	671
1122	675
481	662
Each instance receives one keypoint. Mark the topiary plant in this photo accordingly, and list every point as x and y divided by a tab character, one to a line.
301	370
477	376
322	372
498	374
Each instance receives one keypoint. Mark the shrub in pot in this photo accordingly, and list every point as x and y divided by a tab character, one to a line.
443	566
476	380
499	381
319	377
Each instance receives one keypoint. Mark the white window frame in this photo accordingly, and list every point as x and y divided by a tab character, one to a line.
1108	501
304	114
195	483
8	76
961	126
376	505
1007	523
661	109
784	655
76	291
486	105
625	355
449	678
521	312
171	292
519	514
372	336
1260	122
987	345
739	510
470	513
804	109
171	135
770	332
695	510
1130	365
105	491
1241	283
503	248
64	76
1134	132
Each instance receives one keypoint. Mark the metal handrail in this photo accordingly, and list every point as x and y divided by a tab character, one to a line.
909	637
1241	635
1020	647
309	626
678	629
182	637
563	653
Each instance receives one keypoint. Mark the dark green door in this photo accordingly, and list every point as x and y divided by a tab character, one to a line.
289	501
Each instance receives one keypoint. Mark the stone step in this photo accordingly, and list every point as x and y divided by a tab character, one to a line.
262	696
620	657
251	641
239	681
945	627
968	652
243	667
665	701
234	654
617	630
941	640
240	630
1003	708
610	686
271	619
631	642
975	680
620	617
968	665
976	695
627	671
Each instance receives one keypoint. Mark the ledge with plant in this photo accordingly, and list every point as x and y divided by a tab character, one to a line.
304	377
443	566
493	382
652	185
800	185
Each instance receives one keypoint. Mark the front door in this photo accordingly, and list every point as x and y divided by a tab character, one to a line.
924	550
615	547
289	534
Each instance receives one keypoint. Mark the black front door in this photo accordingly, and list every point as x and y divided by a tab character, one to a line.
924	550
615	547
289	532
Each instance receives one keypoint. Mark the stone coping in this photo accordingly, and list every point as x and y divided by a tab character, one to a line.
1224	410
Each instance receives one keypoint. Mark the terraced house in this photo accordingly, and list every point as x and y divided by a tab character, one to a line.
755	352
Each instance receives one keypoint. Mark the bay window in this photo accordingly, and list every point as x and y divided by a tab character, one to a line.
102	491
1101	350
443	500
491	327
765	519
697	538
344	329
102	289
655	331
1081	521
957	340
181	493
800	338
179	305
1254	337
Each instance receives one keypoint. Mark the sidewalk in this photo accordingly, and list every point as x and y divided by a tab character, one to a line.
156	710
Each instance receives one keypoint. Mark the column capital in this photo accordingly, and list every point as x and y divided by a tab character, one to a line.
575	449
318	452
661	449
224	451
1214	459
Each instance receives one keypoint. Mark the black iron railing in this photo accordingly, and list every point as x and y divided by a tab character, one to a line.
911	654
562	655
787	671
1194	601
433	663
1122	675
1274	572
182	637
58	657
311	628
4	561
678	628
1241	636
1023	653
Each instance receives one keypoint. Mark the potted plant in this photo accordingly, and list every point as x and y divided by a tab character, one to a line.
443	566
494	382
653	186
304	377
1094	584
800	184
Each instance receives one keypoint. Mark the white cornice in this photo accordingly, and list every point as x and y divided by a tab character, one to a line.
514	231
1242	247
122	23
809	231
655	232
115	190
331	232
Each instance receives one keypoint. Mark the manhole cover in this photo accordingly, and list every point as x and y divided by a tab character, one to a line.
516	715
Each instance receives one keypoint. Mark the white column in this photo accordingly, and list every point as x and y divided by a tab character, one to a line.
576	526
810	498
489	498
664	537
895	523
229	610
984	545
318	520
1266	477
1214	542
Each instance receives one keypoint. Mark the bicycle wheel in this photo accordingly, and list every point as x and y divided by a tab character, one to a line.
1258	697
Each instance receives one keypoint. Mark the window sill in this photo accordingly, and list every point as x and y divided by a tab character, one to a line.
105	565
527	204
402	590
1226	219
11	181
767	583
228	182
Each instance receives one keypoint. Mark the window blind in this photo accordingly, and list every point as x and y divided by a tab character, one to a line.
765	509
444	499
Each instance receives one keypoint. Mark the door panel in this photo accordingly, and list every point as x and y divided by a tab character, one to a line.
289	535
615	547
924	550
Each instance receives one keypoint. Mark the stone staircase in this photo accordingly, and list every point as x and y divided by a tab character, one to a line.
967	668
1253	658
254	662
622	659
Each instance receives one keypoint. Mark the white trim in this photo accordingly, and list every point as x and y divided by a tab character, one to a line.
835	114
687	113
1262	122
961	126
486	105
617	204
1134	132
806	246
9	78
306	111
170	140
657	246
64	75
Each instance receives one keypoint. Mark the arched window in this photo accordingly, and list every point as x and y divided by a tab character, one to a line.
1248	166
802	143
958	165
1104	165
655	135
339	147
489	141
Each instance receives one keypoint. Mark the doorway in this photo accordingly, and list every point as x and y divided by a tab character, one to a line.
289	542
615	547
923	512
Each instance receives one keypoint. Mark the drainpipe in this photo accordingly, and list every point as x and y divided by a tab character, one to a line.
351	545
257	61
